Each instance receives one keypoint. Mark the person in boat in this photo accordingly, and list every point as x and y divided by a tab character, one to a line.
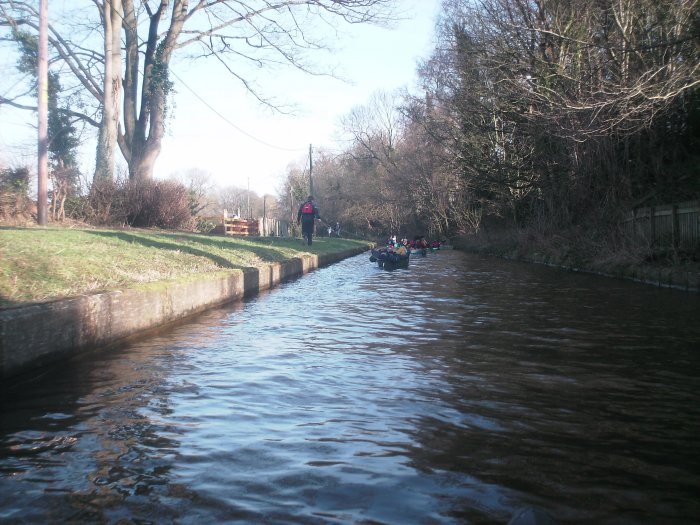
306	216
419	242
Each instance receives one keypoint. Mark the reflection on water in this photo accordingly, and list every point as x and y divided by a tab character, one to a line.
456	391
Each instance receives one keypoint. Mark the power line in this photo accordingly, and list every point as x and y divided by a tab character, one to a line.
225	119
214	110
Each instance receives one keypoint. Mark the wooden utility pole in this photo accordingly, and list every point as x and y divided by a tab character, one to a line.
311	168
43	106
264	217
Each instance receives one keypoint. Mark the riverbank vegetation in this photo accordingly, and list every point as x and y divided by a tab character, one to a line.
539	128
38	264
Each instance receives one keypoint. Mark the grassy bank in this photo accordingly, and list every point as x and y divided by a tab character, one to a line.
38	264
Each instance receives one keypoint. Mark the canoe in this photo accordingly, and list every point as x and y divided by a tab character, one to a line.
390	260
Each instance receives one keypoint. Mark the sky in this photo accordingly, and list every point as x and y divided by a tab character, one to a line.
219	129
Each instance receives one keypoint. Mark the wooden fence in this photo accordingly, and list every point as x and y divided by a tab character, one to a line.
273	227
241	227
668	226
263	227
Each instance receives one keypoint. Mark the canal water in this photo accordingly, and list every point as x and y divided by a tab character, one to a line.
457	391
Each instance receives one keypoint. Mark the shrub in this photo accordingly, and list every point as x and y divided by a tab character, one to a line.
160	204
78	208
104	207
144	204
14	202
204	225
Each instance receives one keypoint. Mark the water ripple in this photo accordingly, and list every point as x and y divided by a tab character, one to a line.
456	391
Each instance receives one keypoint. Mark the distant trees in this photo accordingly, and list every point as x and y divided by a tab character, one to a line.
200	191
63	139
546	112
552	108
240	201
382	181
374	157
557	107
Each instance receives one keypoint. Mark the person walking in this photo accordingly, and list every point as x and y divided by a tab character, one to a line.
306	216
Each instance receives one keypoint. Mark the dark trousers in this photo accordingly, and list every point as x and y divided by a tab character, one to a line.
307	229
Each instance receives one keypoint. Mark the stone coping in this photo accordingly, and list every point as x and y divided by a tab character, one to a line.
35	335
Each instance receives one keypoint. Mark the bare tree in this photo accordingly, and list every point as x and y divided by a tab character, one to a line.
376	155
562	107
108	133
203	199
242	35
242	202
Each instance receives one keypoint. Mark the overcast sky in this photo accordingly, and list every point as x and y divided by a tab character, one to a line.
217	128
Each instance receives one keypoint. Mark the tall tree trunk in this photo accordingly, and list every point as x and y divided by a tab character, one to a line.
142	162
109	127
145	127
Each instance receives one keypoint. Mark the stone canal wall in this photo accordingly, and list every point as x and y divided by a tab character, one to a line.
35	335
686	278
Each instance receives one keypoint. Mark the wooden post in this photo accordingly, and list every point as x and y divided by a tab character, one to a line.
675	227
43	110
264	217
696	231
311	167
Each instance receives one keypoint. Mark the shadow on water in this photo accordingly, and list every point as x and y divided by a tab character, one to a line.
92	441
91	446
457	391
7	303
580	389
